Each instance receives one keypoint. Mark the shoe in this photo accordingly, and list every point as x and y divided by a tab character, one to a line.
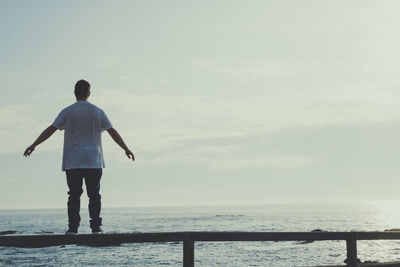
97	231
72	231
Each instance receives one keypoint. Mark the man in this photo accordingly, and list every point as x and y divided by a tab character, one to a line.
83	123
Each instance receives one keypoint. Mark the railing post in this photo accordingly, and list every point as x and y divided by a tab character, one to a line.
351	245
188	253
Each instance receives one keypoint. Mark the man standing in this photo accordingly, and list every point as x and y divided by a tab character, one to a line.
83	123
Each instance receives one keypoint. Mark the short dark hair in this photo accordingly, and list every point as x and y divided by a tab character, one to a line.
82	89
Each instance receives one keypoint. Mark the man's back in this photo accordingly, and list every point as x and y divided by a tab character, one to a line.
83	123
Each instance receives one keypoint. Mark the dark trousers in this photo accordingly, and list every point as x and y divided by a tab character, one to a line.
92	181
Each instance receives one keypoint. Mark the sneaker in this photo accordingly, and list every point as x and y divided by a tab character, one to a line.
97	230
72	231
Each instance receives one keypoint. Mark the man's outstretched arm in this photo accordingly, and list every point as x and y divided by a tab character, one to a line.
42	137
118	139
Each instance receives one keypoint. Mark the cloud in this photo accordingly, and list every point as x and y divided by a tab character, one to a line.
16	115
353	148
255	69
20	126
165	117
165	129
15	121
154	121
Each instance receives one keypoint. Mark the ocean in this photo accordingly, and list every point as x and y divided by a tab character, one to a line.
362	216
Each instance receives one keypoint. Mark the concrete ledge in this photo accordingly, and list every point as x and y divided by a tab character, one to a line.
116	239
189	238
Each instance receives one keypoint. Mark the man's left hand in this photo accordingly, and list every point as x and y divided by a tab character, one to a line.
29	151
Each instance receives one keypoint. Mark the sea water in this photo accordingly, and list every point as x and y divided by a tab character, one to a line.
367	216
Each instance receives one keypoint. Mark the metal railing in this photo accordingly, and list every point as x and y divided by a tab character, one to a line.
189	239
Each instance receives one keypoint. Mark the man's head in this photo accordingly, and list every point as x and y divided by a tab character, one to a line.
82	89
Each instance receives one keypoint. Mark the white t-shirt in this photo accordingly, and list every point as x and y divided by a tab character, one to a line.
83	123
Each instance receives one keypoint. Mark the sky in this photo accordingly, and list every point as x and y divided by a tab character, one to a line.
222	102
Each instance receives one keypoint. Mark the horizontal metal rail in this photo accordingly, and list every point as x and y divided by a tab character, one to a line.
188	239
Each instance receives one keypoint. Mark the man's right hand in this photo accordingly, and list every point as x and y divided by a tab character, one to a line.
118	139
129	154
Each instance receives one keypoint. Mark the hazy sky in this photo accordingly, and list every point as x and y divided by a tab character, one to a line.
222	102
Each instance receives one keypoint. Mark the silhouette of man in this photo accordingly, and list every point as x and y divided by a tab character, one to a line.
83	124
